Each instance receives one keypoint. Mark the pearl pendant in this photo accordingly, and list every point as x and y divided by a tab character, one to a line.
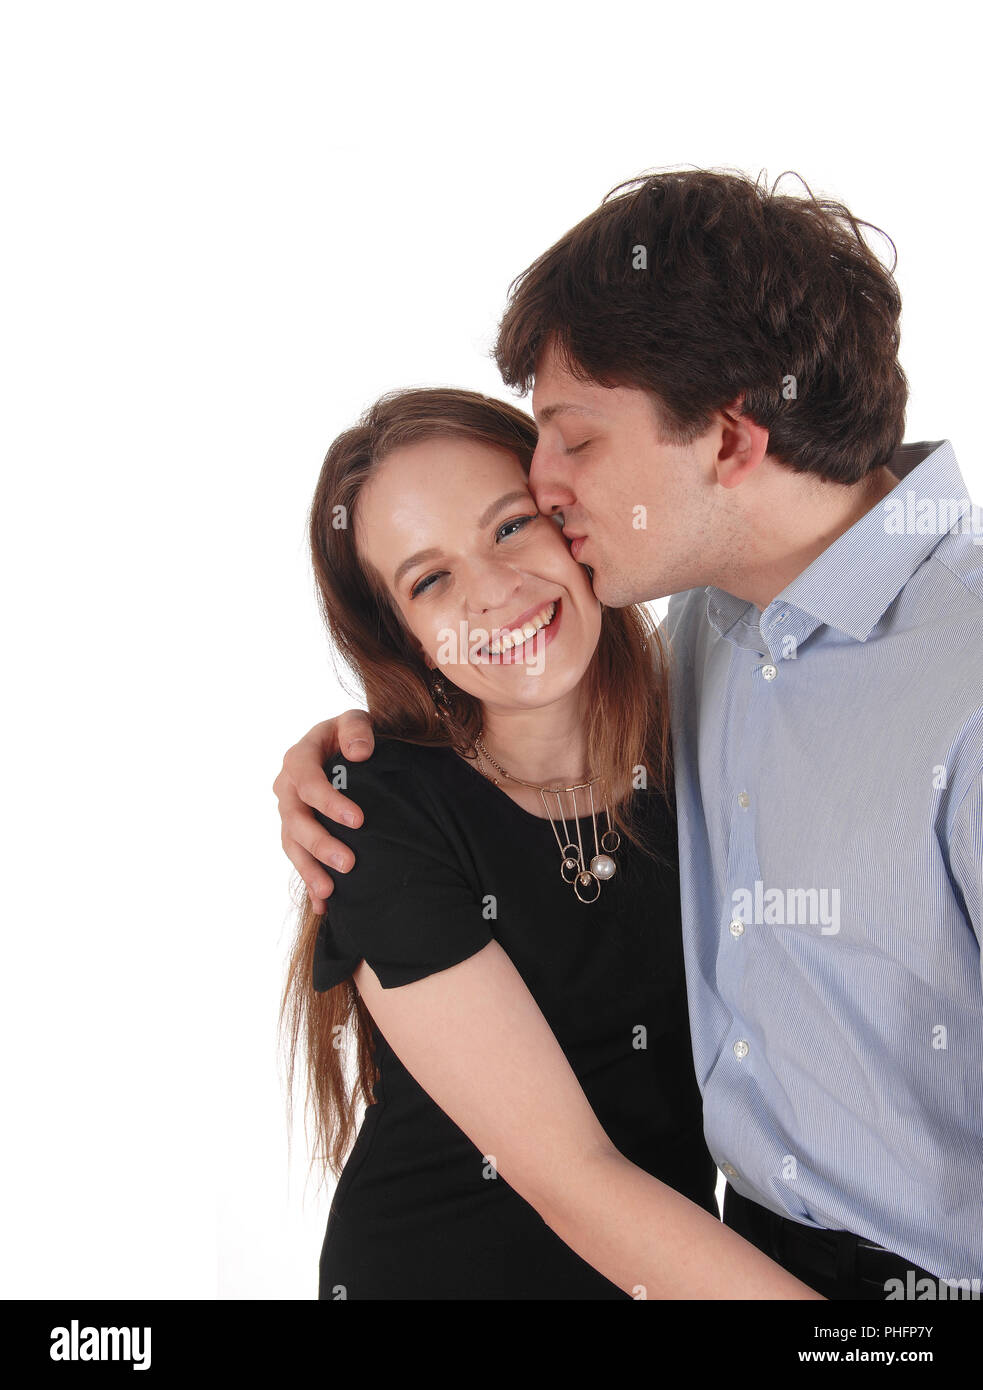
602	865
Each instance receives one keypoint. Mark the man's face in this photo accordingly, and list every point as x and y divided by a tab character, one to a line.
644	506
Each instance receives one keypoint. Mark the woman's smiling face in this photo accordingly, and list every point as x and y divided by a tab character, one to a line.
450	526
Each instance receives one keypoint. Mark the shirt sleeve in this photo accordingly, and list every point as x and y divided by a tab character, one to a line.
407	906
966	854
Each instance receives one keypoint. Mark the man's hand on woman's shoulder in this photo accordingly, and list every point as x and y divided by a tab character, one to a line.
302	784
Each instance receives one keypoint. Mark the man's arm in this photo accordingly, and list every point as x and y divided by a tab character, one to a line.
302	784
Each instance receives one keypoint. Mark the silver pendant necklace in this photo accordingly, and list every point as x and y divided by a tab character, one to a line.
573	867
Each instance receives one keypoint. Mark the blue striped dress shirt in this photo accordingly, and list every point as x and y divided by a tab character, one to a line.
829	787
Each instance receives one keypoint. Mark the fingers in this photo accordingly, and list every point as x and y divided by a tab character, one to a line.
310	848
320	885
355	737
302	775
312	787
302	784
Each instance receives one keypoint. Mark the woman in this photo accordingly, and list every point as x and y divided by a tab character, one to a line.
507	947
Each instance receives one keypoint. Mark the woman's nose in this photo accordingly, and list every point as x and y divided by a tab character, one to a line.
491	586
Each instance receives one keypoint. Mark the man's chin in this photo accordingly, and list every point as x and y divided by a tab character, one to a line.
611	592
610	595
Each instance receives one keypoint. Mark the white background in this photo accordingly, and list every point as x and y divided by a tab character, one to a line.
227	229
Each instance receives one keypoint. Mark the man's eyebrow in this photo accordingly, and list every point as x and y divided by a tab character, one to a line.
548	411
517	495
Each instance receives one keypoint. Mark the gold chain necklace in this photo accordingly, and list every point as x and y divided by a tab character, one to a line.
572	866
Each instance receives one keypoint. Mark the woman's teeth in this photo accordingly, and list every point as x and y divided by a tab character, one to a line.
518	635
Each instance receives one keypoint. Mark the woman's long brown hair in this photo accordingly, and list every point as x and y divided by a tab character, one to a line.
624	691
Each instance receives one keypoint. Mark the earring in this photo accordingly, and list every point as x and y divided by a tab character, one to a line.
439	694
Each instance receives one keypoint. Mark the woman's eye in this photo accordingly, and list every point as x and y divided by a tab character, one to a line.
516	521
424	584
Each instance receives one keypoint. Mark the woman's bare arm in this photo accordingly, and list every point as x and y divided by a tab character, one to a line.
301	783
475	1039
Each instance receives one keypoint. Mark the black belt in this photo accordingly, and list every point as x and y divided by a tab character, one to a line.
838	1259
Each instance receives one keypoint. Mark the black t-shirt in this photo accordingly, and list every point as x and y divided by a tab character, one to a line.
446	861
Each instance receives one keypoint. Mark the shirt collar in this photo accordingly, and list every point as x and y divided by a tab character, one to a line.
850	585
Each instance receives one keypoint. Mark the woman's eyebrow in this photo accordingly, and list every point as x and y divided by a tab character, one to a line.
412	560
518	495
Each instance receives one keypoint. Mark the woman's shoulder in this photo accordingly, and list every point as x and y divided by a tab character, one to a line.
389	754
398	775
409	905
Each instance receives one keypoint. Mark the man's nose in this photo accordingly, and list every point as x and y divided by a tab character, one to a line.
546	482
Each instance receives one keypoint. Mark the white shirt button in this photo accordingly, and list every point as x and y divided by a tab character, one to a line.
743	800
737	927
741	1048
728	1169
769	672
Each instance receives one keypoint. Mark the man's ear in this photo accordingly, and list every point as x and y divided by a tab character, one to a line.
743	444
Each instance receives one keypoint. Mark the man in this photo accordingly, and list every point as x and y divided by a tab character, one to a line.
721	411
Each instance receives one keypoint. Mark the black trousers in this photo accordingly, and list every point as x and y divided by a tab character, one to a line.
836	1264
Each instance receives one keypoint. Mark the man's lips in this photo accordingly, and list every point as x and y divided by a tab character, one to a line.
576	539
